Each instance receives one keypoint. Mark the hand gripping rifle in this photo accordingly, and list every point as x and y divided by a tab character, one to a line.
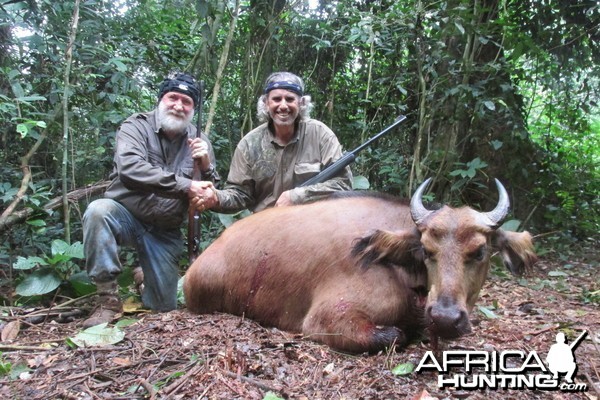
194	226
348	158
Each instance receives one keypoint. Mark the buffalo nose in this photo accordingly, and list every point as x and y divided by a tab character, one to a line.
448	320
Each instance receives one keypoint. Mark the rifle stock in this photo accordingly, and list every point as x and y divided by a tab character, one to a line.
348	158
194	225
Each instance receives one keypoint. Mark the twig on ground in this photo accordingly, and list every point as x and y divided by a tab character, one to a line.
173	387
546	329
251	381
6	347
149	388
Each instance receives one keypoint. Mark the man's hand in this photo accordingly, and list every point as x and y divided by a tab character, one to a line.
284	199
203	195
200	152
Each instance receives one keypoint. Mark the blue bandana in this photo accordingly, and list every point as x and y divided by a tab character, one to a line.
287	85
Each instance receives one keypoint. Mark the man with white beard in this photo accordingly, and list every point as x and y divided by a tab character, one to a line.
147	200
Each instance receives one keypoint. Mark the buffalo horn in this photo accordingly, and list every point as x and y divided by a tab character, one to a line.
417	209
494	217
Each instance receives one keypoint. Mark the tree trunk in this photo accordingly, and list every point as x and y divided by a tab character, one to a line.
65	163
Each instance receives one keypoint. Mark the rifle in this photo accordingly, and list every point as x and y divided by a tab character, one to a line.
576	342
348	158
193	214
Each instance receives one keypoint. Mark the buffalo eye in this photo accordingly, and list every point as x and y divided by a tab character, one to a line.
479	254
428	254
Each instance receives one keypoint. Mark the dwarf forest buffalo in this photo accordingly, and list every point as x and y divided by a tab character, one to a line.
357	272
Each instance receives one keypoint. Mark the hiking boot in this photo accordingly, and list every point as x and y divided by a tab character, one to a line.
108	305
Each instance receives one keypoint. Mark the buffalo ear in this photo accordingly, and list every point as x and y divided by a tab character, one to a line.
516	249
385	247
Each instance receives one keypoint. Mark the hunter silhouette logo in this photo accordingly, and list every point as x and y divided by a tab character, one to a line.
507	369
561	357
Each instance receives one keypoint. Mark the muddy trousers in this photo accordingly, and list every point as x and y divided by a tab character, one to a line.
107	225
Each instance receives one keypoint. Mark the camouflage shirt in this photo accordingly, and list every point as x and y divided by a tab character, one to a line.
262	168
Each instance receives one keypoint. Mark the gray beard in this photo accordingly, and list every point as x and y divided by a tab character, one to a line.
171	123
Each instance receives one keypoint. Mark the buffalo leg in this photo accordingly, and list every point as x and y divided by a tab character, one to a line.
345	328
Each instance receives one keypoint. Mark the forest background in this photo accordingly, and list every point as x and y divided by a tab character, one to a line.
503	89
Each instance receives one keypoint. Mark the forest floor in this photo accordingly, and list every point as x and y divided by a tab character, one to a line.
177	355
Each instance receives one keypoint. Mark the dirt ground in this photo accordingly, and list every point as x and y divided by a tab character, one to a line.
178	355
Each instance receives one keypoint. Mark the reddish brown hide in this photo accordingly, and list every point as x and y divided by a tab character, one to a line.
355	272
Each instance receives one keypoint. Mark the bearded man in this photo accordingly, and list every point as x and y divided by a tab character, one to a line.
147	199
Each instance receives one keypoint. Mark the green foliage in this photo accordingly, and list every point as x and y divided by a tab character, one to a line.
50	270
590	296
5	366
403	369
96	336
271	396
508	91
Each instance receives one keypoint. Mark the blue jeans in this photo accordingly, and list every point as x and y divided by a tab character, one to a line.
108	225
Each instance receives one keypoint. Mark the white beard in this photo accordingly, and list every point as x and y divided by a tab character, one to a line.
171	121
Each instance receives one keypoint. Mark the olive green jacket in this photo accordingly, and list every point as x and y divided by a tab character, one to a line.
262	168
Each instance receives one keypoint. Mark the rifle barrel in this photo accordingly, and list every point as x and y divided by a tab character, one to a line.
348	158
576	341
383	132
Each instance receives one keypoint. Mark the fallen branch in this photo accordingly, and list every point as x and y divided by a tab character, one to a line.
543	330
7	220
6	347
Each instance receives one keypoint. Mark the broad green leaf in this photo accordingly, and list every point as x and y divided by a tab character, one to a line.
5	366
228	219
57	259
121	67
490	105
496	144
18	370
27	99
487	312
23	130
81	283
360	183
36	222
511	225
17	89
99	335
403	369
28	263
180	295
557	273
122	323
459	27
39	282
271	396
60	247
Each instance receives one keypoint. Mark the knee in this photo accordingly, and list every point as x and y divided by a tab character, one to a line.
97	210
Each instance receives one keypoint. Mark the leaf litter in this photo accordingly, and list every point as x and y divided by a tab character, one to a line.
178	355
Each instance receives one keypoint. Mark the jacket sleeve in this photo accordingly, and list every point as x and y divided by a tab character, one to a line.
238	193
211	174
